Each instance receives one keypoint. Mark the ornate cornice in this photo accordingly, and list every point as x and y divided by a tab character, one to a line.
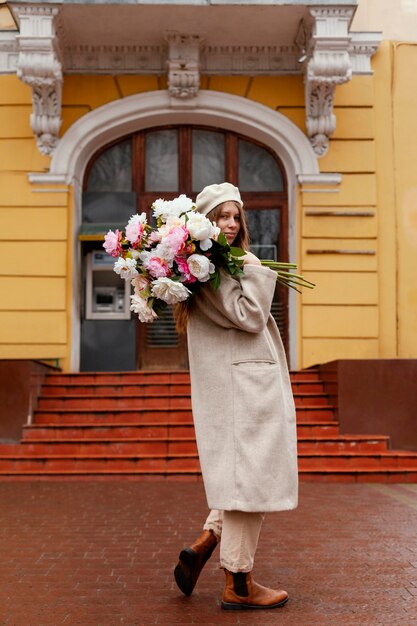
40	67
213	60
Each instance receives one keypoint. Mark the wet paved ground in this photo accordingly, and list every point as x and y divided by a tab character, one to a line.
102	553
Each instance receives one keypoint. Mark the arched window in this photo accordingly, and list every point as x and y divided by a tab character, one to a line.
128	175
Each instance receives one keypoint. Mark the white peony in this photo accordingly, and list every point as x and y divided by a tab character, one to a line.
126	268
175	220
170	291
200	228
145	257
164	209
217	232
144	312
181	205
134	253
160	207
200	267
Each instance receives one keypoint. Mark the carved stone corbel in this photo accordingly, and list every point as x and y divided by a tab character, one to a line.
183	68
39	66
324	42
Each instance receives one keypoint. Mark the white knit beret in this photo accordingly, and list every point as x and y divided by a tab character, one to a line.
213	195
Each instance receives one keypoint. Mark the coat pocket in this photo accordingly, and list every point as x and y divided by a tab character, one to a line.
255	387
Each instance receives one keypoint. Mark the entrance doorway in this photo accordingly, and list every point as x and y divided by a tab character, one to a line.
126	177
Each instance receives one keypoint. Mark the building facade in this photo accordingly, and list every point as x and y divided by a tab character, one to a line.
306	106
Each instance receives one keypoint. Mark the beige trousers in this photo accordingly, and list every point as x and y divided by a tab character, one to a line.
239	533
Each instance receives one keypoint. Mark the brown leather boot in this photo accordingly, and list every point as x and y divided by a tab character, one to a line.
242	592
192	560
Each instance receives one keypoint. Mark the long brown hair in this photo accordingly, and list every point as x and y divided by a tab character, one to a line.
182	310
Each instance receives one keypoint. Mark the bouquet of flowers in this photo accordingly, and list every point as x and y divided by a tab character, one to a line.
166	264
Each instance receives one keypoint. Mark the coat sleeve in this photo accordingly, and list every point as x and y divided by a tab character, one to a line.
244	303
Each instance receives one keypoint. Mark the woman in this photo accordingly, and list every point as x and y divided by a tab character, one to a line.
243	413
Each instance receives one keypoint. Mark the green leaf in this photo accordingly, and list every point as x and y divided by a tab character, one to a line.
222	239
237	251
215	280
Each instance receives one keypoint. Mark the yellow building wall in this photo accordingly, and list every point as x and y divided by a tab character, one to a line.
349	241
405	153
33	240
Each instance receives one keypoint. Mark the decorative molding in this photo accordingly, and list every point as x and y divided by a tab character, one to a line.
119	59
39	66
251	60
214	60
324	40
362	48
8	52
183	68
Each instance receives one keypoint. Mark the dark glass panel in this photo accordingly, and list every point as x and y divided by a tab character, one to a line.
208	158
112	170
258	170
264	226
113	208
161	171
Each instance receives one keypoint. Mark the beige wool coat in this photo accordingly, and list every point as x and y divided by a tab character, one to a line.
242	402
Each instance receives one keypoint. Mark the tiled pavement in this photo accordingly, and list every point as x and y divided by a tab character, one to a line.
102	554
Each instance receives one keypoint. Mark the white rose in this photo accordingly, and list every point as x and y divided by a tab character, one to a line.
170	291
126	268
144	312
200	267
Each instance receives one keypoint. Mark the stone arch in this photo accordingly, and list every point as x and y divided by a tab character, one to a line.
133	113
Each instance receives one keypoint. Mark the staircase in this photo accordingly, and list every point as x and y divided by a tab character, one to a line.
139	424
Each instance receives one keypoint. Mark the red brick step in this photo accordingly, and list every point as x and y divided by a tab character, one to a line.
139	425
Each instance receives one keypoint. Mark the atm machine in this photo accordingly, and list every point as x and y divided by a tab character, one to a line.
107	296
108	328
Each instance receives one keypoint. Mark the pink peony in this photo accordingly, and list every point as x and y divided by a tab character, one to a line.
176	239
155	236
134	232
112	243
158	268
185	270
135	228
